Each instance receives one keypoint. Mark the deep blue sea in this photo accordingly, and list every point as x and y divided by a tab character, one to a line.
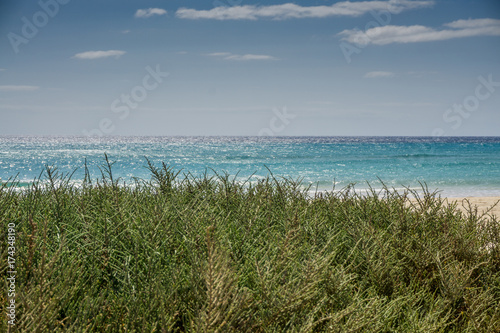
456	166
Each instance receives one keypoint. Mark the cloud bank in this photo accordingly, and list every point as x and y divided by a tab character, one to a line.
90	55
145	13
291	10
18	88
241	57
417	33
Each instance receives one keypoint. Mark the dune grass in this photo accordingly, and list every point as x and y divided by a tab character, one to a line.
179	253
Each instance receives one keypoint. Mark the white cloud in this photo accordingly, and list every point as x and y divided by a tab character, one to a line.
241	57
291	10
418	33
145	13
379	74
99	54
219	54
250	57
405	104
125	31
18	88
2	69
473	23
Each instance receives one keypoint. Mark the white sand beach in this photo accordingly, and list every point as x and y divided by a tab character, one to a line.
483	204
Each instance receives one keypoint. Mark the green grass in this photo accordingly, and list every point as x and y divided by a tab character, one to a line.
209	254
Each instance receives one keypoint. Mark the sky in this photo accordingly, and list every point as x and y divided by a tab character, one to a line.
242	67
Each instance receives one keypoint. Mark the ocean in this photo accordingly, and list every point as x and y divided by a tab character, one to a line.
453	166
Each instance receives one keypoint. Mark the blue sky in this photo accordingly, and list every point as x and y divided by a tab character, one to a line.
241	67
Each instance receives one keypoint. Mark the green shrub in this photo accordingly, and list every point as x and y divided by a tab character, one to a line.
210	254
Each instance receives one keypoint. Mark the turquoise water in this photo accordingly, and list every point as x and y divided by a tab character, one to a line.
457	166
